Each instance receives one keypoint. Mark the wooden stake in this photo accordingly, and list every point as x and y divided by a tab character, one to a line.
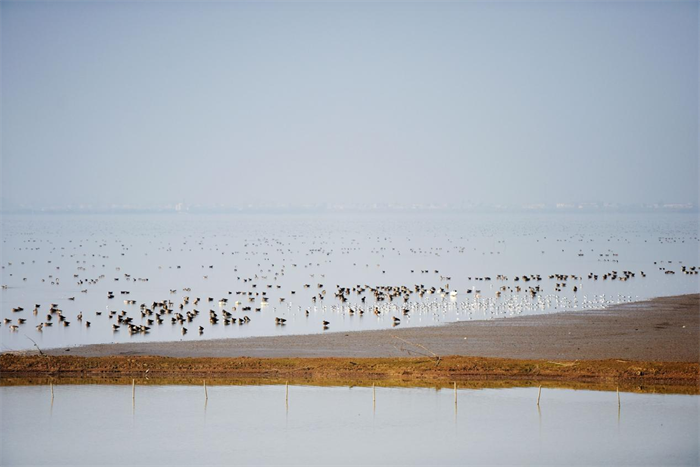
206	396
374	394
133	389
286	396
539	393
455	392
51	390
618	396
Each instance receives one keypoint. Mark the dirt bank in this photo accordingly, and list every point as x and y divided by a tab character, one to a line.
393	371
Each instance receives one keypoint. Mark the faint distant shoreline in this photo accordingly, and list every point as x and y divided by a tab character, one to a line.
558	208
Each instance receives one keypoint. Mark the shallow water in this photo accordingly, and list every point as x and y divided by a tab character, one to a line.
45	256
95	424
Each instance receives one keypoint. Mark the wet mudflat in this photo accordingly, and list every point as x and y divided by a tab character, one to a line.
665	329
158	425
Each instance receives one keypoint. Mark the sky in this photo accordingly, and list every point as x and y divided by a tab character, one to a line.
236	103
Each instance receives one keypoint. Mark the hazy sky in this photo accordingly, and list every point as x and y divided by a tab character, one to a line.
505	102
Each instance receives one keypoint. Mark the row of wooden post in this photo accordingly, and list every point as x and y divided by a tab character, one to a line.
374	392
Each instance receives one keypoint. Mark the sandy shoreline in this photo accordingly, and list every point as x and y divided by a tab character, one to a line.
665	329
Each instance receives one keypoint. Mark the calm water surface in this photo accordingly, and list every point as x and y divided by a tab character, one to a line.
52	258
253	425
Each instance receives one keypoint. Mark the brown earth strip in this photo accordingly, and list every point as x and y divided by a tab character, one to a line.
417	370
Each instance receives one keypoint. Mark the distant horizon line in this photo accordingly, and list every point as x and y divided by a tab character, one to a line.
175	208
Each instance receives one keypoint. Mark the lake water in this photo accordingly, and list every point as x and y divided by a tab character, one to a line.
174	425
158	258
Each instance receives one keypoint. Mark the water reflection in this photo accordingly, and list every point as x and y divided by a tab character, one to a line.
245	424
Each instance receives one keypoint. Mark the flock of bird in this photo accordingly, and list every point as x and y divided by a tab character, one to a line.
400	302
265	294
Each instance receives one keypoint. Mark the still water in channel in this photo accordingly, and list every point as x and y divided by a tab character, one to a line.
101	424
298	262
